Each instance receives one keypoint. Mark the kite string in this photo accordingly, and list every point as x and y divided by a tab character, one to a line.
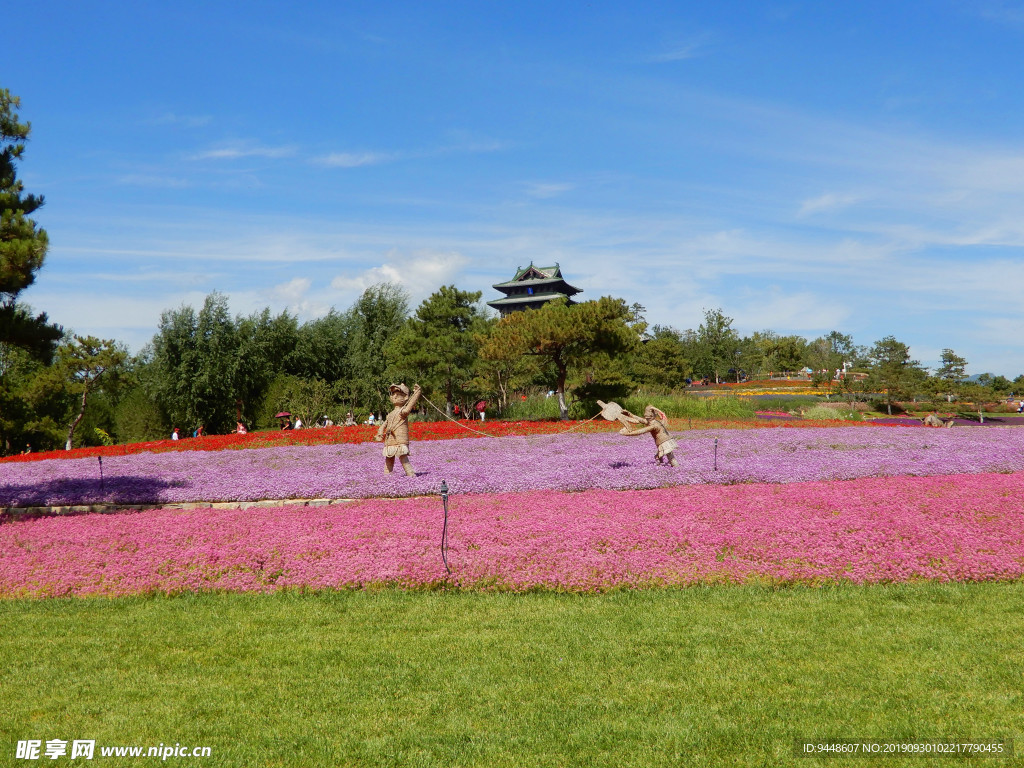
485	434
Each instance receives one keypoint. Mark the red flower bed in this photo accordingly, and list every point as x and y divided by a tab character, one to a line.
420	430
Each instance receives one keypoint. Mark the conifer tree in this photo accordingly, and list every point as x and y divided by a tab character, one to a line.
893	371
567	336
952	373
437	346
23	244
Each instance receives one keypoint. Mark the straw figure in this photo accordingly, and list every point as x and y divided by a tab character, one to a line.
394	430
656	422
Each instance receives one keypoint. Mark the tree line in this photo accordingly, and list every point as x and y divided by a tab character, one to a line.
207	367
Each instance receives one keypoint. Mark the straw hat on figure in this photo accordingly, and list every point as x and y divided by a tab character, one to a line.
656	422
394	431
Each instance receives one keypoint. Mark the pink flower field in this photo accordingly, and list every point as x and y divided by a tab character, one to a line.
569	462
867	530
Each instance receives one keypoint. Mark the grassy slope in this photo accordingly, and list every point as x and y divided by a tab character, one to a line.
703	676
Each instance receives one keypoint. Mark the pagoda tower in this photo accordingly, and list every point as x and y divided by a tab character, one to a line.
532	288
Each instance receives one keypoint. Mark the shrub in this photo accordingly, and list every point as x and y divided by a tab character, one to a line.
676	406
691	407
828	412
784	402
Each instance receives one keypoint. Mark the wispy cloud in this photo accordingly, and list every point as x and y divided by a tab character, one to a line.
243	150
796	311
478	147
354	159
999	11
689	49
186	121
162	278
827	202
544	190
153	180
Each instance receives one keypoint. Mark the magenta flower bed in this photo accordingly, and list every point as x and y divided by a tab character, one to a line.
514	464
864	531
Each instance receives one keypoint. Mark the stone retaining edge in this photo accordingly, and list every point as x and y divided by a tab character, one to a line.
19	513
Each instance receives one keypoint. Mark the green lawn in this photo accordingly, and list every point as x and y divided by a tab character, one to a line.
701	676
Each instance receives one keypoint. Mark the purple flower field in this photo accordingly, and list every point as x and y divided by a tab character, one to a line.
569	462
872	530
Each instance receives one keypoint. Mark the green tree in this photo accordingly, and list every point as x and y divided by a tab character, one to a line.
752	352
23	244
503	370
138	417
322	348
661	363
768	351
377	315
308	399
566	336
951	373
437	346
787	353
893	370
1000	385
33	402
86	361
209	368
264	344
717	345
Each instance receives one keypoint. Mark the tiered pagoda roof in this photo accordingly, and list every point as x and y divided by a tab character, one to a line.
532	288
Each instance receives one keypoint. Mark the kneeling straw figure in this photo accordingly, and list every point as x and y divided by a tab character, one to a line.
394	430
656	422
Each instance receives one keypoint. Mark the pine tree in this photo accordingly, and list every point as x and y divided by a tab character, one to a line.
952	373
893	370
22	243
437	346
567	336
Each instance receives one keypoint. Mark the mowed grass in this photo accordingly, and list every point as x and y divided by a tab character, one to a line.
701	676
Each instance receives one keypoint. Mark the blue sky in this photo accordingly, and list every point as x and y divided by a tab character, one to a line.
803	166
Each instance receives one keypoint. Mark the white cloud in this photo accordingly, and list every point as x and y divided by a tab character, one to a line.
690	49
827	202
253	246
296	295
245	149
998	11
353	159
802	311
420	272
178	278
132	320
173	118
358	159
293	291
153	180
544	190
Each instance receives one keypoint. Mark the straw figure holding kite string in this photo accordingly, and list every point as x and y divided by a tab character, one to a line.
654	421
395	429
